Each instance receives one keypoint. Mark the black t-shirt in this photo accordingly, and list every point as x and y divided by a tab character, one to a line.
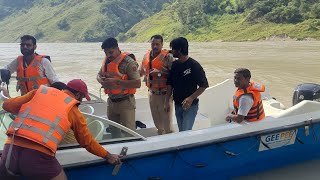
185	78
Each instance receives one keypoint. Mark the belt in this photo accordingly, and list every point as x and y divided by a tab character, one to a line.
158	92
121	99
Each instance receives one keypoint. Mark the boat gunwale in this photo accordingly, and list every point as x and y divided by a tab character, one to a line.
194	145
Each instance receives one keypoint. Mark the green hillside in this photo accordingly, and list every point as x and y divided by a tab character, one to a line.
138	20
72	20
232	20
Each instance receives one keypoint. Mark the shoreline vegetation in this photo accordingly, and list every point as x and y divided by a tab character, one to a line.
197	20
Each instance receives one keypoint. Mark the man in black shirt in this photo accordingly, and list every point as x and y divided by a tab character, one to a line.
187	81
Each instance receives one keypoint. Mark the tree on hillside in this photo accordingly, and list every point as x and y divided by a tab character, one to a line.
8	7
120	16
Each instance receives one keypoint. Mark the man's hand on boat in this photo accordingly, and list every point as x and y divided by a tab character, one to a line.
113	158
235	118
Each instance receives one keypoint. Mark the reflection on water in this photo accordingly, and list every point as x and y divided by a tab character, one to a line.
279	65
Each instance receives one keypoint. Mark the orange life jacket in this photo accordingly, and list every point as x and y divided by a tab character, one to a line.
29	78
112	71
160	80
44	119
256	112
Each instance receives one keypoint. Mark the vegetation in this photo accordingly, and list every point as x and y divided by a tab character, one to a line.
72	20
198	20
233	20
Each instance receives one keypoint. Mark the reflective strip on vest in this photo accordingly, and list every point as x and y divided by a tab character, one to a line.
25	79
68	100
157	81
44	90
34	81
53	125
46	135
35	64
44	121
22	117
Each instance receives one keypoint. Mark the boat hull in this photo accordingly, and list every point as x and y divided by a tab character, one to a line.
219	160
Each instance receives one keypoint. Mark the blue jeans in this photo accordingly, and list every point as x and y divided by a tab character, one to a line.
185	118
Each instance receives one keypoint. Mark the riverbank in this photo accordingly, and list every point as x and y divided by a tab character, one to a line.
226	28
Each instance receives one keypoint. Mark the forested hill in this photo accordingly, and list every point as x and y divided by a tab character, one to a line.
72	20
232	20
137	20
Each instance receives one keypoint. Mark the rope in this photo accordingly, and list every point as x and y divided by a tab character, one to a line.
230	153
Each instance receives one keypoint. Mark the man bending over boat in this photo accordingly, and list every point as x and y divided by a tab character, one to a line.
44	117
32	69
119	77
247	100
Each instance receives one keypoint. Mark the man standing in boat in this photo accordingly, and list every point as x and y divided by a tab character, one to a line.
44	116
155	67
247	100
32	69
187	80
119	77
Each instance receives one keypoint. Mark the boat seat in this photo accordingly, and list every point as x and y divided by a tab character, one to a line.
96	128
86	109
304	107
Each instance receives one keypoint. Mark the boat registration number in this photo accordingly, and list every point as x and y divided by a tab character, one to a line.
276	140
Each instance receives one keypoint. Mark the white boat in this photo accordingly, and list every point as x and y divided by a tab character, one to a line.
213	149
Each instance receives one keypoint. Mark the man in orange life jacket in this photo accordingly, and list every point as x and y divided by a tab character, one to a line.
44	117
247	100
32	69
119	77
155	66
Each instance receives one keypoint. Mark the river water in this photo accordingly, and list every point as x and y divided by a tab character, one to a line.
280	65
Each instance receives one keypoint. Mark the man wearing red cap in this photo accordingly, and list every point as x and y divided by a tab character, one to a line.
79	86
31	147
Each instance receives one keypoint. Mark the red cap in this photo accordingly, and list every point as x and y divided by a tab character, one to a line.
80	86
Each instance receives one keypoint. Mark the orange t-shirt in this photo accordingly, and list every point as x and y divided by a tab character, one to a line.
77	121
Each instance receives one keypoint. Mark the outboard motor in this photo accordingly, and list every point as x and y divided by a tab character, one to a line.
307	91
